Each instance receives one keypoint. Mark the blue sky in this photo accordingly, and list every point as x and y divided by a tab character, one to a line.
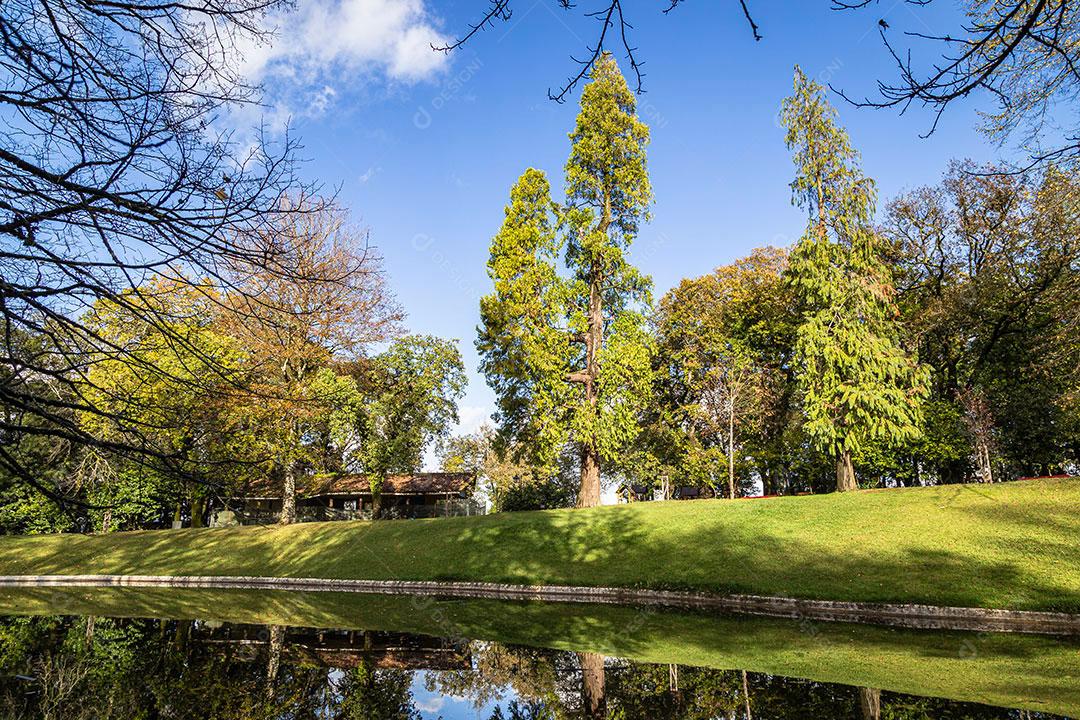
436	706
424	147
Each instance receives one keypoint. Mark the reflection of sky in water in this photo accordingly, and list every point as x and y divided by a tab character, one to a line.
433	705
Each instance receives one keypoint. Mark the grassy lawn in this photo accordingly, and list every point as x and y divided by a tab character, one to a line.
1014	545
1020	671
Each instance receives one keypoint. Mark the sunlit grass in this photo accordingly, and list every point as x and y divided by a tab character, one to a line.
1014	545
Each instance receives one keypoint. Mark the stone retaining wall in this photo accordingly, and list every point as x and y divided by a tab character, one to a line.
901	615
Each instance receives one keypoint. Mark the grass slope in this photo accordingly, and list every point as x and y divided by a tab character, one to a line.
1021	671
1014	545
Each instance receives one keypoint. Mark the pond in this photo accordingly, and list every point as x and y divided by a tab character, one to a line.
103	653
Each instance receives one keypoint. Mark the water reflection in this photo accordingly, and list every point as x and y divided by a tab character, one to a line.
78	668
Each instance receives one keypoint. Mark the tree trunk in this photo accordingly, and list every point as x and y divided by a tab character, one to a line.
288	496
589	491
746	694
592	685
980	424
984	469
845	473
198	509
182	634
870	703
273	662
731	452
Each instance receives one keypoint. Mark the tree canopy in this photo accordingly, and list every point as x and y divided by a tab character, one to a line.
568	356
859	385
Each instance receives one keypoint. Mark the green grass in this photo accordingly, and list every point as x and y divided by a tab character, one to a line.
1021	671
1014	545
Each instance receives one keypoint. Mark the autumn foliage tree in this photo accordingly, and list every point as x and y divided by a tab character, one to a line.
723	341
989	283
296	328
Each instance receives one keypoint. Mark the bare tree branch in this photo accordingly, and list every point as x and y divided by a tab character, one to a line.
610	15
1023	53
113	173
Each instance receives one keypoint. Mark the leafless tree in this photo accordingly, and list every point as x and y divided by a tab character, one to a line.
338	305
114	170
60	678
979	420
732	397
615	30
1023	53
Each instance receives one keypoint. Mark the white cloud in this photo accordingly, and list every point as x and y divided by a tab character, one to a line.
324	48
471	417
432	704
322	99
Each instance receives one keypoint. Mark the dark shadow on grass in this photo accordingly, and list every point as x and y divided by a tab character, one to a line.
964	549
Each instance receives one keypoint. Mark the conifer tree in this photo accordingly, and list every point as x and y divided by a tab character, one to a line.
568	356
859	387
522	340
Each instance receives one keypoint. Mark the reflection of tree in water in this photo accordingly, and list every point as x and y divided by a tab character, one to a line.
75	669
498	671
141	668
633	691
368	693
593	697
665	691
557	685
870	704
529	683
273	662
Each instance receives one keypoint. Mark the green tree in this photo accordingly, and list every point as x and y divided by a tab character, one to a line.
498	477
522	339
166	393
370	693
988	282
409	397
724	393
569	357
859	386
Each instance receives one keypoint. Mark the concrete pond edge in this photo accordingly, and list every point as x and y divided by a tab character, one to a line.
928	617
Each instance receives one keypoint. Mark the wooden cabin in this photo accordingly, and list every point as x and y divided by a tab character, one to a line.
349	497
630	492
339	649
692	492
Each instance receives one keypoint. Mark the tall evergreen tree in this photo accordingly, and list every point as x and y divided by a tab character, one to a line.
859	386
569	356
522	338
